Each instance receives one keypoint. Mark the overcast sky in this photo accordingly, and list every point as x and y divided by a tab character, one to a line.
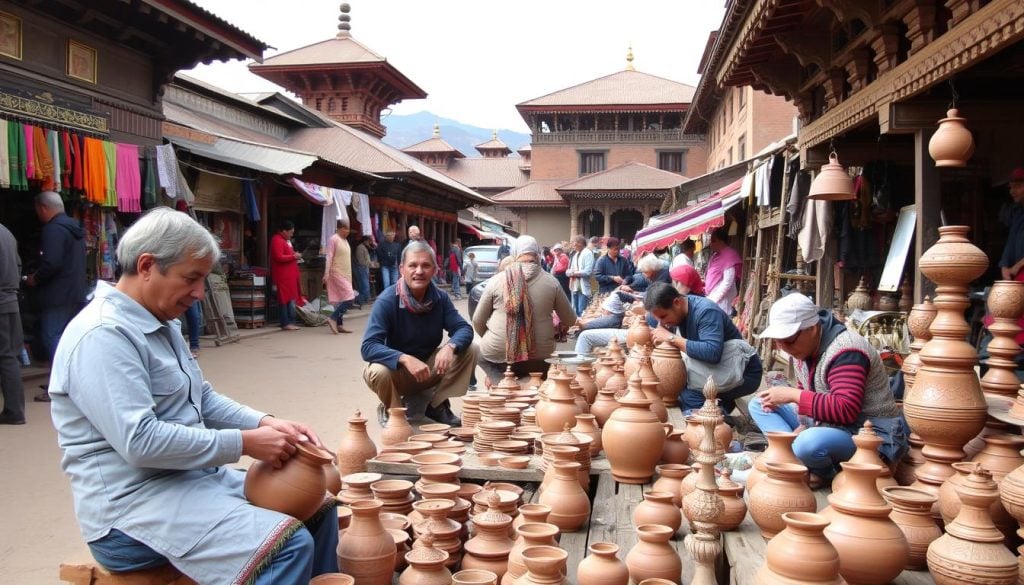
477	59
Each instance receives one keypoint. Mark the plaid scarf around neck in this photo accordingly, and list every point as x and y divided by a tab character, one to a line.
407	300
518	313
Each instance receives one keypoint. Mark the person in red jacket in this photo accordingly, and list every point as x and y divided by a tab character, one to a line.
284	271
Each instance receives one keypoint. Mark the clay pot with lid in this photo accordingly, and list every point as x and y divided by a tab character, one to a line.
653	556
398	429
912	512
427	565
356	447
488	550
949	501
297	488
872	548
677	449
603	406
545	565
586	424
560	408
367	551
800	554
952	145
445	531
528	535
779	450
972	546
670	478
867	443
602	566
570	505
658	508
782	490
734	509
860	298
633	440
668	365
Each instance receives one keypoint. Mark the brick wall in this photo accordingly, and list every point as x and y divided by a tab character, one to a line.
762	120
563	162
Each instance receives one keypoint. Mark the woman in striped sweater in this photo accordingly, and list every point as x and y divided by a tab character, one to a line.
841	383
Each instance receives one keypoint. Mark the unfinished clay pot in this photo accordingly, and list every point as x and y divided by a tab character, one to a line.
297	488
639	333
783	490
653	556
356	447
912	512
602	566
800	554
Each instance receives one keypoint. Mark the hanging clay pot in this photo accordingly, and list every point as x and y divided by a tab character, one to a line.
603	406
867	443
585	378
952	145
912	512
872	548
668	365
639	333
528	535
779	450
570	506
633	440
800	554
367	551
488	550
972	546
426	564
782	490
949	501
653	556
734	509
658	508
545	565
398	429
670	478
297	488
677	449
560	408
832	183
586	424
860	298
356	447
602	566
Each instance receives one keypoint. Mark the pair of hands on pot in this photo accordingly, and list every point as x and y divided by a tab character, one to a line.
274	440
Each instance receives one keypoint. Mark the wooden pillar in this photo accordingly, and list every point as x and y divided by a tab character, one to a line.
607	220
574	222
928	201
262	236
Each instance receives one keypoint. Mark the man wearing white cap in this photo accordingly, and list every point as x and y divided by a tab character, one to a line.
841	384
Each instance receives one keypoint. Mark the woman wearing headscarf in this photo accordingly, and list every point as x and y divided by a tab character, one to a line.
514	316
686	280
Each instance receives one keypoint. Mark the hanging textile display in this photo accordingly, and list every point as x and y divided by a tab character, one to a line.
252	210
361	204
128	183
5	161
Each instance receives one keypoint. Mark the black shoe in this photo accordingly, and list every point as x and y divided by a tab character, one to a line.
382	415
7	418
443	414
42	397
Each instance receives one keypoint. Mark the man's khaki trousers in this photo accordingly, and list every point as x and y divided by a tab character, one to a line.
393	385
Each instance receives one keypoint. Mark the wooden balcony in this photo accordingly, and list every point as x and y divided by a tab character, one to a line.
614	136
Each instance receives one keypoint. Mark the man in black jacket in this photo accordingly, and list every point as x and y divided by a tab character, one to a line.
60	278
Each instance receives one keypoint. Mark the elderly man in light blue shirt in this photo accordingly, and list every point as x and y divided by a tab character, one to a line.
146	440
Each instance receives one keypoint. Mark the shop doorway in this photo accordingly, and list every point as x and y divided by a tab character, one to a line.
591	222
626	223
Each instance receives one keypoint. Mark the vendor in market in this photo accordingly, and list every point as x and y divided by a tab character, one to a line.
841	384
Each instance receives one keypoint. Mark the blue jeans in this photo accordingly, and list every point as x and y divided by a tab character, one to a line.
821	449
362	275
310	551
287	314
388	276
339	311
193	319
52	321
457	285
580	302
613	321
692	399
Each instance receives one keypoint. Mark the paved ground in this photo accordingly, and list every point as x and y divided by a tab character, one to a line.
307	375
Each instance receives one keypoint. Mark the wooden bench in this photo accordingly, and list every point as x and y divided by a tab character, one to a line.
84	570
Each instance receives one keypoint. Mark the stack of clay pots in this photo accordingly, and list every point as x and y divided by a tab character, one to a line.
356	487
487	433
471	410
395	495
490	548
445	531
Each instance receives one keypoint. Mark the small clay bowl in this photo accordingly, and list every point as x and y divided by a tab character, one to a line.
390	489
514	462
490	459
529	437
510	446
410	447
452	448
468	490
393	520
429	438
395	457
440	473
333	579
435	458
435	428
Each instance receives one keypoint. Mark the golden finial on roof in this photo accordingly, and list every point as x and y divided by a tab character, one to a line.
629	58
437	130
494	135
344	21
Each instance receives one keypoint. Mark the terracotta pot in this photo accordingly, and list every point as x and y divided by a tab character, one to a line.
912	512
650	390
780	450
616	383
1001	454
488	550
585	378
586	424
367	551
918	322
398	429
1005	303
427	565
867	443
332	478
529	535
602	566
949	501
536	379
560	409
658	508
872	548
952	145
474	577
615	353
332	579
570	506
603	406
531	514
653	556
800	554
297	488
860	298
972	549
604	371
356	447
734	509
557	453
639	333
668	365
689	482
509	381
545	565
782	490
578	397
670	479
695	432
633	440
344	517
632	364
676	450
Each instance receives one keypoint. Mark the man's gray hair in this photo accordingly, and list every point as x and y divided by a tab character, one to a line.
169	235
651	263
50	200
417	246
579	239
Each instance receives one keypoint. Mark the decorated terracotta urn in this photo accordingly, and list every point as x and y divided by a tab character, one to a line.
912	512
366	551
782	490
860	298
297	488
668	365
918	322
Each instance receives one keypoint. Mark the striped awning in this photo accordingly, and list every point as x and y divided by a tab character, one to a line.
664	230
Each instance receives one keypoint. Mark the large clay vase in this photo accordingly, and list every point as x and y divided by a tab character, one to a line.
585	378
677	449
633	440
356	447
603	406
528	535
780	450
782	490
872	548
560	408
670	478
918	322
653	557
639	333
972	549
398	430
658	508
949	501
867	443
426	565
602	566
488	550
912	512
734	509
586	424
945	406
545	565
668	364
297	488
570	506
800	554
366	551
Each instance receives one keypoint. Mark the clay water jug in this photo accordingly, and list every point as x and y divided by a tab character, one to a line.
603	406
668	365
872	548
426	564
367	551
545	565
780	450
297	488
528	535
949	501
782	490
488	550
676	450
570	506
972	546
639	333
602	566
633	440
912	512
670	478
585	378
658	508
653	557
586	424
531	514
734	509
398	430
800	554
867	443
560	408
356	447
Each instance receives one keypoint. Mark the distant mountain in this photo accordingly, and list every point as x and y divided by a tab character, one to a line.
404	131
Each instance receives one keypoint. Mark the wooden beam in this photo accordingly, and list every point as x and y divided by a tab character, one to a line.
809	47
928	200
783	76
869	13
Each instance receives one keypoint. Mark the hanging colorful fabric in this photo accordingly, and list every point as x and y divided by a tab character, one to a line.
110	156
5	163
53	146
29	158
78	162
128	185
150	188
95	166
43	162
16	153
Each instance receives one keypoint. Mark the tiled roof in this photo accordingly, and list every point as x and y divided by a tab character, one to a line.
525	148
492	144
488	173
434	144
541	192
633	176
338	50
622	88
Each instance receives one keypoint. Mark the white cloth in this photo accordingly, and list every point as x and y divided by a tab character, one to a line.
361	203
332	213
817	225
167	169
5	161
763	183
